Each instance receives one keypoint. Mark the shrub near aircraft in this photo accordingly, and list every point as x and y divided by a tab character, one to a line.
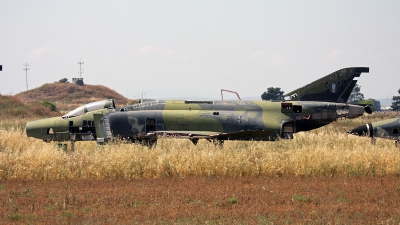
212	120
388	129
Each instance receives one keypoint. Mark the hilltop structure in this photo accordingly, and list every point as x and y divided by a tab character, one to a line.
78	81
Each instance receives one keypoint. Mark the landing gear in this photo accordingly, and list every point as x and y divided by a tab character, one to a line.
287	129
62	146
149	142
72	139
217	142
287	135
397	143
373	140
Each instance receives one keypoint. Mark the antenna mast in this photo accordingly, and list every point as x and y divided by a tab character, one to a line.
80	67
26	74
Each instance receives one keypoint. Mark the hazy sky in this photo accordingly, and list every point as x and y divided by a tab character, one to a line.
195	48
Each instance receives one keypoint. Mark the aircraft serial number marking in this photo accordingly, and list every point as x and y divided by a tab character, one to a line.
240	119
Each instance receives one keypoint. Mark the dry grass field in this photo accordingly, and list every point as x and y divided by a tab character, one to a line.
328	151
322	176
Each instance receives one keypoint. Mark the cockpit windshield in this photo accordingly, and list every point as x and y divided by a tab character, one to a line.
103	104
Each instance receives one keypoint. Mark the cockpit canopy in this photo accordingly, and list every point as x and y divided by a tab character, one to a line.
103	104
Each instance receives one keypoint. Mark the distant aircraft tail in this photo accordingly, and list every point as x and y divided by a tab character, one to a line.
335	87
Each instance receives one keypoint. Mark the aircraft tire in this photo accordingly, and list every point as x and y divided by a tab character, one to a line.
62	146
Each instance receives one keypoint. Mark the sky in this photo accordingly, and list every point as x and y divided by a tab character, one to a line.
193	49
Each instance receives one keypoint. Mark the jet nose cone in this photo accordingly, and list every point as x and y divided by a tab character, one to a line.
32	128
35	129
364	130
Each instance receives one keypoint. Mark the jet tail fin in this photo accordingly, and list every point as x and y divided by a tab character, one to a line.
335	87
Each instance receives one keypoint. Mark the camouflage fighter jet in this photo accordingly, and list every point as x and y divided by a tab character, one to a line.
212	120
388	129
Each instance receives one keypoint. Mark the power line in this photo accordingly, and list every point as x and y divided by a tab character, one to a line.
26	74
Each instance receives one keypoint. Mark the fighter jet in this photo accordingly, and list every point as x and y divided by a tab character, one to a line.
215	121
388	129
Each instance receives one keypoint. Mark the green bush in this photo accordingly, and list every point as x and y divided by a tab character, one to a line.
50	105
233	200
15	217
64	80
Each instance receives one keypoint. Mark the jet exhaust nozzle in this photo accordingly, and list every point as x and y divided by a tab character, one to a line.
368	109
364	130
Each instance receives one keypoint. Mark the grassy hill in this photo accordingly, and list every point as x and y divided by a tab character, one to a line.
25	106
12	106
14	112
68	96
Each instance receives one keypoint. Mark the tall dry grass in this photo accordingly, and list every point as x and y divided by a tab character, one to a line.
327	151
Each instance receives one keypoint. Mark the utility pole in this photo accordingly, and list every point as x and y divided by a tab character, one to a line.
80	67
26	74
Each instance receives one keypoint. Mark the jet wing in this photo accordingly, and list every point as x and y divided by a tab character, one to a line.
186	134
240	135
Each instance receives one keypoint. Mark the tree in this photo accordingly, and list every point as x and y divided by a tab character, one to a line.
375	104
272	94
356	95
396	102
64	80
